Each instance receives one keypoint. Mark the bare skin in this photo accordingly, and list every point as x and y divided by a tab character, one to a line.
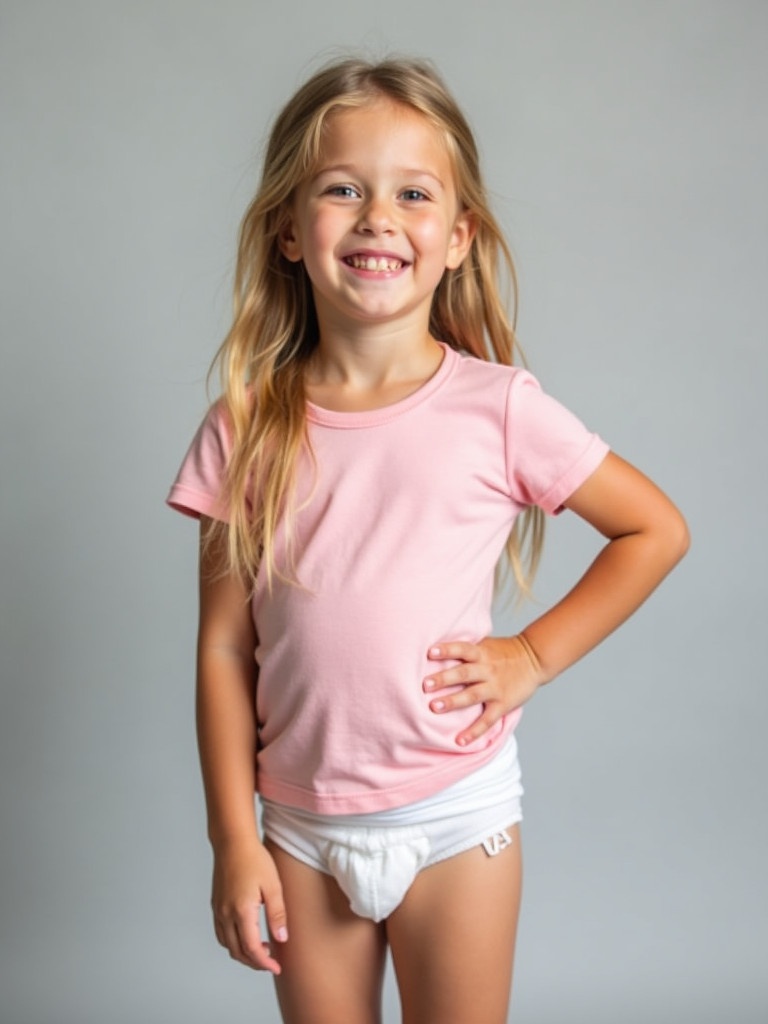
452	938
646	536
244	875
333	964
450	912
452	941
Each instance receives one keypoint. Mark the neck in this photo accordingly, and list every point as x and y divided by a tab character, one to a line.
367	358
370	369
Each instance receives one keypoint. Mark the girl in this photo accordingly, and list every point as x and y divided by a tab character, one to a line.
356	486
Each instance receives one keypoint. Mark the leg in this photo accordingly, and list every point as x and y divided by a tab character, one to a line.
333	962
453	938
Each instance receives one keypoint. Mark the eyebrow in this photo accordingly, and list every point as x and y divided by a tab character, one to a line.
405	172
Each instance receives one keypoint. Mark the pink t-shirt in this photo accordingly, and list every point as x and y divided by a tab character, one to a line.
401	528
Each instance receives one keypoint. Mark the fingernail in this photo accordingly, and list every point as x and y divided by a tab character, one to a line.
438	705
435	651
281	934
429	684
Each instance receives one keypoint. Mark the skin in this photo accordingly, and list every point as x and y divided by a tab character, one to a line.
385	185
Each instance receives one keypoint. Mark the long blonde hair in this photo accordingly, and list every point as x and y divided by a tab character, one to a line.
274	330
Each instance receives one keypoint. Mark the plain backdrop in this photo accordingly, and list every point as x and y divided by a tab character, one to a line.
626	147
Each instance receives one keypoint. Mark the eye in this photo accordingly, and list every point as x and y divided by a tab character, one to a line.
412	194
343	191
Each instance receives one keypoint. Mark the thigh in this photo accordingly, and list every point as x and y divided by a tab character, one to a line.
333	962
453	938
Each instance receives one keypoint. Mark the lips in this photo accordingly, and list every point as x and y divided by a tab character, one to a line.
377	263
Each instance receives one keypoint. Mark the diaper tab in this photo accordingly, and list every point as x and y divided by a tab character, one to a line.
499	841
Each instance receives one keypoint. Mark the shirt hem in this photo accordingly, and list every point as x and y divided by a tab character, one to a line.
371	801
195	503
579	473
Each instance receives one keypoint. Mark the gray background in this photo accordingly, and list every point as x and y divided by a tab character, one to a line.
625	143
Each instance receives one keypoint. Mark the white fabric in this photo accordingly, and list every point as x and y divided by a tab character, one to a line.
375	857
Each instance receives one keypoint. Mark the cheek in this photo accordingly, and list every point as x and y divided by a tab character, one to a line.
319	236
325	229
433	234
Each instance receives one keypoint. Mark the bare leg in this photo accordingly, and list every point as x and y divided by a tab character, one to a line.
333	962
453	938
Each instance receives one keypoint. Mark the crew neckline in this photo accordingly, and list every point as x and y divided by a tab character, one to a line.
373	417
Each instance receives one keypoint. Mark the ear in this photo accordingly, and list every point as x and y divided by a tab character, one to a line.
288	239
462	236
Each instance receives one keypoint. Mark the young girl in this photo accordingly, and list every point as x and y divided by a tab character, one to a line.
356	487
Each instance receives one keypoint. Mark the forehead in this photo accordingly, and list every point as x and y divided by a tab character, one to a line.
384	128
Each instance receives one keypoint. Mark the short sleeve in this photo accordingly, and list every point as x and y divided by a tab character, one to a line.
197	489
549	451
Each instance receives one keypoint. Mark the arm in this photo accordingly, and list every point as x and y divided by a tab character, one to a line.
244	874
646	536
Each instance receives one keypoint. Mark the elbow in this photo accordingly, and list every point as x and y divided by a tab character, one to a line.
677	538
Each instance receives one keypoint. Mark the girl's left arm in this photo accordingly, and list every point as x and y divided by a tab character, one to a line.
647	536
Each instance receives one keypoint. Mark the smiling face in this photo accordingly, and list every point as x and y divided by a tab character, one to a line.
379	221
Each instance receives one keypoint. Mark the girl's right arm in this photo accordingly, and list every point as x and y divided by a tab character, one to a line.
244	874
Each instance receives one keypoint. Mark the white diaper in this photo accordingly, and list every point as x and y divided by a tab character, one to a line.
374	868
375	857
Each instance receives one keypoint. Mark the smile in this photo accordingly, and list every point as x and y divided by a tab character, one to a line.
380	264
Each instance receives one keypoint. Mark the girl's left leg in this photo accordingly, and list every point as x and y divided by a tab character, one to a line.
453	938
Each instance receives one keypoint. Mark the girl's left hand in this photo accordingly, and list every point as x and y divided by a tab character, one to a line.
499	673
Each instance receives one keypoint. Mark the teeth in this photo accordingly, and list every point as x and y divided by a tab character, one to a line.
382	264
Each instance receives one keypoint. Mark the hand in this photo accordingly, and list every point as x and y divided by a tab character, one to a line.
244	877
498	673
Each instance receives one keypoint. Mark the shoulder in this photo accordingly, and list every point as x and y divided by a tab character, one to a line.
214	437
197	489
493	381
471	367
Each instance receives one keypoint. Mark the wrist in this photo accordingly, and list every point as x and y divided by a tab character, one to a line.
539	673
228	842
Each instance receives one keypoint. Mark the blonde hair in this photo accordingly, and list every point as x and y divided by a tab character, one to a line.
275	330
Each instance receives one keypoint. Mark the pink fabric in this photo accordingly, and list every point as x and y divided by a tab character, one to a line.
402	527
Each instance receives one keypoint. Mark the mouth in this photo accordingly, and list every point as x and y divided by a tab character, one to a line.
376	264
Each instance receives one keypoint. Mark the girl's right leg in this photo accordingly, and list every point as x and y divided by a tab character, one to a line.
333	962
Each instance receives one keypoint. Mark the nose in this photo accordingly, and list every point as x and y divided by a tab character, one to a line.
376	217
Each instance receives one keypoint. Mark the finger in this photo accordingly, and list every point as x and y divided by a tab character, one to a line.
230	940
458	650
255	952
274	908
240	935
477	693
460	675
479	727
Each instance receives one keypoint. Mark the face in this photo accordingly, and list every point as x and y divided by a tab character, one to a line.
379	221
